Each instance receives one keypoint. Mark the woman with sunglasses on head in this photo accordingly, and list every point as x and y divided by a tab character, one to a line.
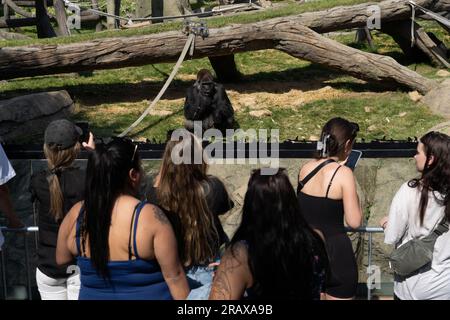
274	254
125	248
327	197
419	207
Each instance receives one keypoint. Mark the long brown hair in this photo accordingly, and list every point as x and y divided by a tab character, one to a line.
181	192
435	176
57	160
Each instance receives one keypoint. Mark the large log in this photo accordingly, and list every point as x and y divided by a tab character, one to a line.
283	34
348	17
17	23
18	9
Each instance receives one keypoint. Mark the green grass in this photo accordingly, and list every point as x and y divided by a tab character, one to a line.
112	99
291	8
391	115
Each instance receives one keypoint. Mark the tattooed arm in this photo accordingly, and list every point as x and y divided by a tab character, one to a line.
166	253
233	275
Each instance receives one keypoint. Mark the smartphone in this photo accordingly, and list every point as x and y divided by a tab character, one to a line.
84	126
353	159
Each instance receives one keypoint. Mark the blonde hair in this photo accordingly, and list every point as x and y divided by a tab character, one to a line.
181	192
56	161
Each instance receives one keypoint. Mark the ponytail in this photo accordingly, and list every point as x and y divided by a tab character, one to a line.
57	161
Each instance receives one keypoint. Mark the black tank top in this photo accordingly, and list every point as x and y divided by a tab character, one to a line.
322	213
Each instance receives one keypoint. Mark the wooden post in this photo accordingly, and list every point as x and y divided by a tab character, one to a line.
113	7
99	25
61	18
225	68
43	25
6	14
143	8
363	35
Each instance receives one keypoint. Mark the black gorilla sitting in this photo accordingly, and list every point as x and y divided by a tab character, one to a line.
208	102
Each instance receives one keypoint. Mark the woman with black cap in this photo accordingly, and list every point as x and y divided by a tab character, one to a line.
55	190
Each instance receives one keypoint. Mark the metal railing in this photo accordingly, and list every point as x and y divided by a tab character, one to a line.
25	231
370	231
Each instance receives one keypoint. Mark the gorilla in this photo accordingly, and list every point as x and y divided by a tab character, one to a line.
208	102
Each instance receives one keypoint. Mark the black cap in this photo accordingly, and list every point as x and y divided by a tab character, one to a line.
62	133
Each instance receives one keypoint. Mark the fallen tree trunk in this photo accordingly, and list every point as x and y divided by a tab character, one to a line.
16	23
349	17
283	34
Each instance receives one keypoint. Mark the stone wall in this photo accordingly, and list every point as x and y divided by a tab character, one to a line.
377	182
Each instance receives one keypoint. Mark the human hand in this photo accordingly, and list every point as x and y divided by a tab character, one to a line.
214	266
90	145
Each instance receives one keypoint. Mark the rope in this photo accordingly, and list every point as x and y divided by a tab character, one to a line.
189	43
413	16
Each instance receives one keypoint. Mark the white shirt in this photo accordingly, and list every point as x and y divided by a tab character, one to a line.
6	173
6	170
404	225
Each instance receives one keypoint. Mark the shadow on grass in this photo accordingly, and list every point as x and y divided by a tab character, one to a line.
155	123
311	77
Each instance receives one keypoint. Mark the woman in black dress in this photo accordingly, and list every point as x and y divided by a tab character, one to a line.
327	196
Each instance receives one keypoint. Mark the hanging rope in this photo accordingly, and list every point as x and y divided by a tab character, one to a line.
413	16
189	43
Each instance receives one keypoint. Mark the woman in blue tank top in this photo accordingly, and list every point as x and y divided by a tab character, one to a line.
125	249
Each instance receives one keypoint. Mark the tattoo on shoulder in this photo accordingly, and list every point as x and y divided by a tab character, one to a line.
221	288
160	215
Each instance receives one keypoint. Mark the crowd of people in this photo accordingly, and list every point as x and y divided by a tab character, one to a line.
168	242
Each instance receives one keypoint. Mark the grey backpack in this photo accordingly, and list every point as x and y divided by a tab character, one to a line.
416	253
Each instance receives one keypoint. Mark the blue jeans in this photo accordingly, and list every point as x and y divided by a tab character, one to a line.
200	281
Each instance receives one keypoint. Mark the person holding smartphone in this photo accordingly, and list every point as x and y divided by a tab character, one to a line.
327	196
55	190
